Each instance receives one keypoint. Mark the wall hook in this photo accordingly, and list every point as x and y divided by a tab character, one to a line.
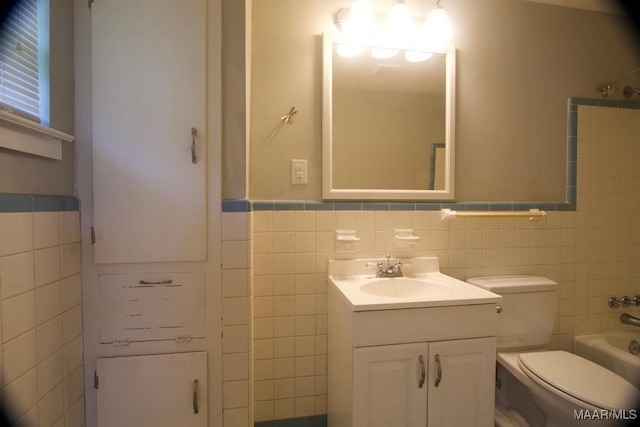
288	118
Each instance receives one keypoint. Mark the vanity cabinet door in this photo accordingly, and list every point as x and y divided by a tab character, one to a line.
160	390
387	386
461	382
149	130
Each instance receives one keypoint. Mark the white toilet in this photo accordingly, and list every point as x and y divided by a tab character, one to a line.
549	388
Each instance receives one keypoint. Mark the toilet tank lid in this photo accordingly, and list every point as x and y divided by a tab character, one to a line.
513	284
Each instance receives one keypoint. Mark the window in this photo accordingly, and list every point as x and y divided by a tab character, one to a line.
24	80
24	60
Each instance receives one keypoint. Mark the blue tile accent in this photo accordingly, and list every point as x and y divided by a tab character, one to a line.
48	203
318	206
263	205
427	206
608	103
375	206
312	421
37	203
347	206
288	205
402	206
236	205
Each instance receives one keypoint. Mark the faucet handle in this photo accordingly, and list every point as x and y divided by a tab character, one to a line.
614	302
626	301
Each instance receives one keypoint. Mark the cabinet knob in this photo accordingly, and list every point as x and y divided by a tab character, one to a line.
498	309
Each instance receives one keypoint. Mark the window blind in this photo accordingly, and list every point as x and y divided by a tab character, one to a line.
19	78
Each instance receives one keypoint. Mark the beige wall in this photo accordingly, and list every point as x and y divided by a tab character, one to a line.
518	62
22	173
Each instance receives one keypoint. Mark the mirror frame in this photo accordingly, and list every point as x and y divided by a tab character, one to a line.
331	193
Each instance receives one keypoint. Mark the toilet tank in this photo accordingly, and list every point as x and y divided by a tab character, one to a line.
528	313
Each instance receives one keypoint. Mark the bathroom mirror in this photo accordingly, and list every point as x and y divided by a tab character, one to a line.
382	121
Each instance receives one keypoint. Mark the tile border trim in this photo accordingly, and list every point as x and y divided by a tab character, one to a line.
310	421
570	204
10	202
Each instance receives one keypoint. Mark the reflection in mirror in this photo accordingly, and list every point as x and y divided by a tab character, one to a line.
387	126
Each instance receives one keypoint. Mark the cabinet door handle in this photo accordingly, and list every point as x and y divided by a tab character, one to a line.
439	366
423	371
195	396
194	158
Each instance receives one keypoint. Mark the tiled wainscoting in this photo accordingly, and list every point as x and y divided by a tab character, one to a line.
280	305
41	310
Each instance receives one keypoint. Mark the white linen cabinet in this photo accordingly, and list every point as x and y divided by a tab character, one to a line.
148	61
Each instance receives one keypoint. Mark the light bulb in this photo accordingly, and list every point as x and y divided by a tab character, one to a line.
360	23
399	23
438	28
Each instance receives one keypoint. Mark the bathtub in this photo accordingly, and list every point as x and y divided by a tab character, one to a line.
611	350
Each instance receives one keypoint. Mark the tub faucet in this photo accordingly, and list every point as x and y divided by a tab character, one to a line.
388	270
629	319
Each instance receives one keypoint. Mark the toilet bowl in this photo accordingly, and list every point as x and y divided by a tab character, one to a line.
551	388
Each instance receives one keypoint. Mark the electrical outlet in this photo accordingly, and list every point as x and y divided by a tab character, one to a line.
299	171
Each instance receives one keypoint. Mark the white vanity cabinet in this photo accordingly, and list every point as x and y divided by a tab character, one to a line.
414	367
148	82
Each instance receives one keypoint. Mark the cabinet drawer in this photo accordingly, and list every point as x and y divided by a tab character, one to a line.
423	324
150	307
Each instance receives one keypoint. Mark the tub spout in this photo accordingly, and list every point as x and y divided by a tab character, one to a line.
629	319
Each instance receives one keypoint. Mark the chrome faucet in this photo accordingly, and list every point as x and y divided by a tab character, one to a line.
388	270
629	319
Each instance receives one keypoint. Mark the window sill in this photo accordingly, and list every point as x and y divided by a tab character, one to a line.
26	136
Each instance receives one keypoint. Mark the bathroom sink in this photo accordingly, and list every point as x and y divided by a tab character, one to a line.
422	285
402	287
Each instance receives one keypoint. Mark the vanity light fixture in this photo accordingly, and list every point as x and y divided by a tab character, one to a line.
358	28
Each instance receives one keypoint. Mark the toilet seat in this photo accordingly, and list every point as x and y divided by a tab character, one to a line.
561	372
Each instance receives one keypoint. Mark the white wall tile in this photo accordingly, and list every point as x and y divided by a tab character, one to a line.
16	274
71	290
69	227
49	337
50	374
73	387
70	259
22	394
71	324
48	302
46	230
19	356
18	315
16	233
51	407
47	265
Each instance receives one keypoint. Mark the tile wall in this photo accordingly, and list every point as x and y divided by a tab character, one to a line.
237	319
593	253
41	318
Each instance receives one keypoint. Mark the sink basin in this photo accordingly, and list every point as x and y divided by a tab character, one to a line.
402	287
423	285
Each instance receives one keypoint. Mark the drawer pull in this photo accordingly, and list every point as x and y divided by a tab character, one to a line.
157	282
